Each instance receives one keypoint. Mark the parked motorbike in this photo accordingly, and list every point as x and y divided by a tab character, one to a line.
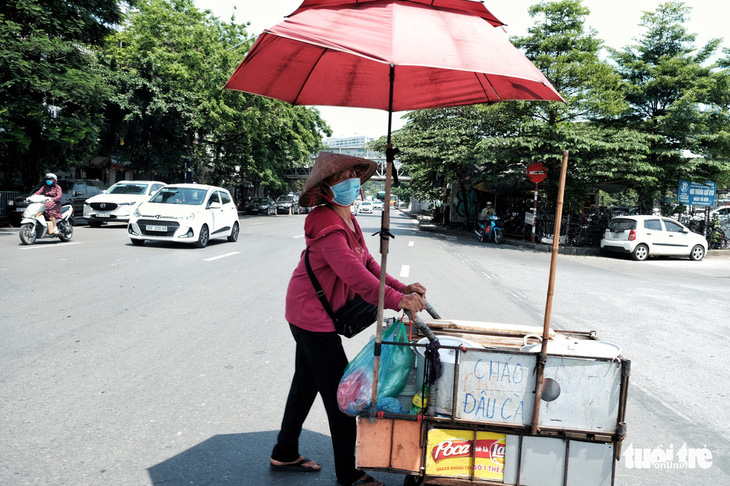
34	226
489	230
716	237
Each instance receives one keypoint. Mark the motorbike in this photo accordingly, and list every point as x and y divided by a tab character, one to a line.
34	226
489	230
716	237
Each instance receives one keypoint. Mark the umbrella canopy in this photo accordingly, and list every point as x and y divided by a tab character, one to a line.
339	53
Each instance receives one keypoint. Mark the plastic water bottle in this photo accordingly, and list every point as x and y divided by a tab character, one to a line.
420	400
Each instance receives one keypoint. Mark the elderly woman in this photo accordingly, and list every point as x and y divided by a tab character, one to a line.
344	267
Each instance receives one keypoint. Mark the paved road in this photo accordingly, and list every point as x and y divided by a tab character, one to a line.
163	364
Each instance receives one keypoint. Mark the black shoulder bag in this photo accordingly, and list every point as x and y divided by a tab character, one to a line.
353	317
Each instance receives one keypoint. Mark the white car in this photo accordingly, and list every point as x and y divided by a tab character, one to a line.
118	202
365	207
644	236
185	213
378	204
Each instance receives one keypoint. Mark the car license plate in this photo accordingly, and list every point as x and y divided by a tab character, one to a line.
155	227
18	210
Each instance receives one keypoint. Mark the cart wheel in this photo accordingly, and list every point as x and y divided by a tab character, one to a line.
412	481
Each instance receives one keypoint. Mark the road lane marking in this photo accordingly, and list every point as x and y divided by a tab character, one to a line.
221	256
45	245
411	243
405	270
298	236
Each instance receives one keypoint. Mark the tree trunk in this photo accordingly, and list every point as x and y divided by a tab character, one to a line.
468	221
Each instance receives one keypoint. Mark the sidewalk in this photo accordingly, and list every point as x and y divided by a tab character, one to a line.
563	249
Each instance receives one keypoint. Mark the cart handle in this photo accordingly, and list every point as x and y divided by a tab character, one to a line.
431	310
422	326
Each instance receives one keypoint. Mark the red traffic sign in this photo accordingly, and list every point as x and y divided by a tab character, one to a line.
537	172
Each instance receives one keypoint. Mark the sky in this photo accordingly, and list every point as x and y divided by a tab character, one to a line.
617	23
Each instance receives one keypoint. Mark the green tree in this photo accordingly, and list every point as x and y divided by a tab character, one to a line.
678	97
170	62
440	146
568	53
502	140
52	89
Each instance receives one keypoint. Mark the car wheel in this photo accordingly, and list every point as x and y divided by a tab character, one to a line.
27	233
234	233
640	253
137	242
95	224
498	236
697	253
203	237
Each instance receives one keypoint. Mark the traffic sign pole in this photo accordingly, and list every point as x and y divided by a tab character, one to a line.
536	173
534	215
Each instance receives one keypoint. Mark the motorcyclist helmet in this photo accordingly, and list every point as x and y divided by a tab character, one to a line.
51	178
489	203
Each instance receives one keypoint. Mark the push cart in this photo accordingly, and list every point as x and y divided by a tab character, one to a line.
514	405
477	427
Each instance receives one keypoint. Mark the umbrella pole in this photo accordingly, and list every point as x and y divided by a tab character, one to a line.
384	248
542	355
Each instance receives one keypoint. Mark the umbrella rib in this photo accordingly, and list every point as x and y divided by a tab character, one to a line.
486	94
314	65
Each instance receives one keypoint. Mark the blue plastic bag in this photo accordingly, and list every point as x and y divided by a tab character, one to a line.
356	386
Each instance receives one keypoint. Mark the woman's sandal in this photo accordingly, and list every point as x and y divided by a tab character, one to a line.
298	466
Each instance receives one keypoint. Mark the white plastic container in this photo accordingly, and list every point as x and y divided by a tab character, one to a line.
444	386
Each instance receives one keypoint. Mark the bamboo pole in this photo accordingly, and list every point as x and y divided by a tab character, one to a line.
541	357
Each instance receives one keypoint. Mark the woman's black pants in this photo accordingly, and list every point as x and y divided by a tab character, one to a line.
320	363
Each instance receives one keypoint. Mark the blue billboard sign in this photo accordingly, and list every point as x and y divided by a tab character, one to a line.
696	193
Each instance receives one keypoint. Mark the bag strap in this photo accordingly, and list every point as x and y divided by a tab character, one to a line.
318	287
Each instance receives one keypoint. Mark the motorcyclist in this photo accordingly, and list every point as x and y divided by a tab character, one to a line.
487	211
51	189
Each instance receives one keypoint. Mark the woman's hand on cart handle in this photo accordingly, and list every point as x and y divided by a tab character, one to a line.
415	287
413	303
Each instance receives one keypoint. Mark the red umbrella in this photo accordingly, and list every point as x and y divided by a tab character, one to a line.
341	53
392	55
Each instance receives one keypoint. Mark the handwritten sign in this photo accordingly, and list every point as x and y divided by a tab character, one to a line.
496	387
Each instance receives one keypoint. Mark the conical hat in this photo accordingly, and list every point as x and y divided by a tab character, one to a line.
329	164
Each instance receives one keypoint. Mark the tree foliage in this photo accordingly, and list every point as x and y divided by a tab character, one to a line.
170	62
628	124
678	97
52	89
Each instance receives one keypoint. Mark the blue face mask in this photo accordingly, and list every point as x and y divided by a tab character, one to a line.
49	182
346	191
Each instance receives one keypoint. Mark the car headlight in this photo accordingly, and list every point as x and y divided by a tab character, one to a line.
137	214
11	203
189	217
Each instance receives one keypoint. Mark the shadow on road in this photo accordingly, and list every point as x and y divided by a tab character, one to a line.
242	459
